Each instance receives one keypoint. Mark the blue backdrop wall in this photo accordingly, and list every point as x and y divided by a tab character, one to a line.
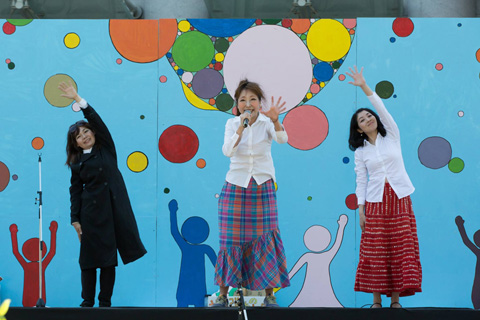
164	88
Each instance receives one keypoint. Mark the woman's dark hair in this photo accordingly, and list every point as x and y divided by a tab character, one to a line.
356	138
247	85
73	150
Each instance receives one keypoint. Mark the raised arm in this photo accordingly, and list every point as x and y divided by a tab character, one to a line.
16	253
173	207
53	244
377	103
102	134
461	228
342	222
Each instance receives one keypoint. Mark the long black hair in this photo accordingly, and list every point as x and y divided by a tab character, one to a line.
356	138
73	150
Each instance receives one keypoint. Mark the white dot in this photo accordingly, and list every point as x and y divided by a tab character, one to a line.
460	113
187	77
76	107
217	195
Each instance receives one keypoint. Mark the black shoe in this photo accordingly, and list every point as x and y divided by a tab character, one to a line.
86	304
104	304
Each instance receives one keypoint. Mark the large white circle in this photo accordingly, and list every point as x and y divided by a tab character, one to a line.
274	57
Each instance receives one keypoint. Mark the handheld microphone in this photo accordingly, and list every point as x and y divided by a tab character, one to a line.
245	121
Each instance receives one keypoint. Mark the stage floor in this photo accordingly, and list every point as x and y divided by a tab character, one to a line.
125	313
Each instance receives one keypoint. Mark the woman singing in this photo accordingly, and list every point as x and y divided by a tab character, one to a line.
251	250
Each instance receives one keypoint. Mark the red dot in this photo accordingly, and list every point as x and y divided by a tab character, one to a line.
119	61
286	23
439	66
163	79
7	61
402	27
8	28
341	77
258	22
178	144
218	66
351	201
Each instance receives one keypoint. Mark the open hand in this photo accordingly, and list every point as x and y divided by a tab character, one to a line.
69	90
358	79
275	109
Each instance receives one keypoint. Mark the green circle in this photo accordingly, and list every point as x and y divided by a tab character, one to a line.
224	102
384	89
166	190
303	37
19	22
193	51
11	66
309	198
456	165
271	21
221	44
336	65
142	117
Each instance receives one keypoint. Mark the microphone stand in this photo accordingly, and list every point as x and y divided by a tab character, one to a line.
40	302
242	310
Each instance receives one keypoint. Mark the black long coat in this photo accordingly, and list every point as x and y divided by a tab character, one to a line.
100	203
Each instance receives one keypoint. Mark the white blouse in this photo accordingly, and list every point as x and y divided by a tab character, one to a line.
252	156
374	163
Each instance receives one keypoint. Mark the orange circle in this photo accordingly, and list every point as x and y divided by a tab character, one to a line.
352	31
37	143
201	163
478	55
139	40
211	101
230	39
300	25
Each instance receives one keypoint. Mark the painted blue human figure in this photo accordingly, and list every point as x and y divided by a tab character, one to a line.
192	286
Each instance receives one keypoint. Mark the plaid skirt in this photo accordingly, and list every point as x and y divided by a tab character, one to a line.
389	254
251	249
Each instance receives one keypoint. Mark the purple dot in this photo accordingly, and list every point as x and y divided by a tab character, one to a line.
435	152
207	83
14	177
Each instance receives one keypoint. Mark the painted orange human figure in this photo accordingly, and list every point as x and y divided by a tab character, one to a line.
30	251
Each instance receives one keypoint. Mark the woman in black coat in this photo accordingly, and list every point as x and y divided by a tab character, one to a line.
100	208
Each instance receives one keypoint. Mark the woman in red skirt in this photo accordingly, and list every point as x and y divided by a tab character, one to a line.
251	250
389	256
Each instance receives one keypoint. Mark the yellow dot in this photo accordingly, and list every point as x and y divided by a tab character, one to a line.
184	26
309	95
175	68
219	57
71	40
137	161
328	40
322	84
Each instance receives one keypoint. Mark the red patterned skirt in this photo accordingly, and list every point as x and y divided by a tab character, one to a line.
389	255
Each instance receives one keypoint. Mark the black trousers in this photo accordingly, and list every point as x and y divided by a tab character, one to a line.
89	280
